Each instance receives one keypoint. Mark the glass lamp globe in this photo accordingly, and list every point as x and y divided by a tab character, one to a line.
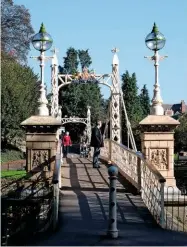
155	40
42	41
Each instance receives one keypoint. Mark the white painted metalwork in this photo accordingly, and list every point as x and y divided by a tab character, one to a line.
155	41
156	108
115	123
89	127
128	125
86	121
42	109
141	174
74	120
54	84
61	80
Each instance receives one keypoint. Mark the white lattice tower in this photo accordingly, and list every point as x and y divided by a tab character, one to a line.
89	128
115	123
54	85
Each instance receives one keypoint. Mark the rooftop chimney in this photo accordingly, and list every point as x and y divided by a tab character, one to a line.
183	106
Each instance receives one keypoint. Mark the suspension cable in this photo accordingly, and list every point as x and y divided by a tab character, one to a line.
128	125
107	119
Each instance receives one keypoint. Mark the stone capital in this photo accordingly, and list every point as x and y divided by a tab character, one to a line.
155	123
41	124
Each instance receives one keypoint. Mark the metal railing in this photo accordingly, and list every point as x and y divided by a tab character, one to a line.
146	178
29	207
175	210
26	211
57	184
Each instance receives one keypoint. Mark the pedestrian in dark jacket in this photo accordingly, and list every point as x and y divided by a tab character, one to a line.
97	143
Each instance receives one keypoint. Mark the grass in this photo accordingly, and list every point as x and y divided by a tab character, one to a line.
13	174
176	156
10	155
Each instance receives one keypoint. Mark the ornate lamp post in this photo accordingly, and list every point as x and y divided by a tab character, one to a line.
155	41
42	42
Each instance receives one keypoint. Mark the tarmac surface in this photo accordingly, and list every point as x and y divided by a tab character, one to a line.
83	212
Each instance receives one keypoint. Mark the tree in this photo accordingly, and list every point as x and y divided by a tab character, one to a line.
133	105
181	134
84	58
20	90
145	101
70	62
75	98
16	30
131	99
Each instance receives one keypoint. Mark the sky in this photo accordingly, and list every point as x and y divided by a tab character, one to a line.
101	25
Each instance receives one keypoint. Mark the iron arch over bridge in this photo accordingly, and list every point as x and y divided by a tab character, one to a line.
86	121
85	77
66	79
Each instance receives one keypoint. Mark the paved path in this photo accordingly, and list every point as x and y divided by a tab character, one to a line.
84	212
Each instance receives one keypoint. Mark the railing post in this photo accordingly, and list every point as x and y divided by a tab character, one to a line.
112	226
162	214
60	176
55	205
139	173
110	149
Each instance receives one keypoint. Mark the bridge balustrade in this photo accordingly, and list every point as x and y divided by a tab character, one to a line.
141	174
57	183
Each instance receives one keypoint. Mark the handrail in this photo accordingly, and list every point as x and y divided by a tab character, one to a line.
56	184
142	174
148	163
153	169
57	170
123	146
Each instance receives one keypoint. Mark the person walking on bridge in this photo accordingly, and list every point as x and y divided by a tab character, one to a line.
97	143
66	141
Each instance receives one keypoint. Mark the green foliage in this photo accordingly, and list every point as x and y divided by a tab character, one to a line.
133	106
19	97
75	98
145	101
16	30
70	62
84	58
13	174
131	99
10	154
181	134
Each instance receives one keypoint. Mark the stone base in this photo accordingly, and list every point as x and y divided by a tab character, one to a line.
170	181
171	194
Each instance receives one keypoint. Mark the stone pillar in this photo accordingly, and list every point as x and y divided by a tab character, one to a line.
157	142
40	142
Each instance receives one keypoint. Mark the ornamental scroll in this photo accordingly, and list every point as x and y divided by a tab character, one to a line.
40	158
158	158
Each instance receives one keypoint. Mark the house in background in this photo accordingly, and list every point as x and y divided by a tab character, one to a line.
175	110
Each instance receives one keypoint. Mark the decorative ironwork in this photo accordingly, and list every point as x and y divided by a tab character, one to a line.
54	84
84	77
74	120
31	207
88	77
26	211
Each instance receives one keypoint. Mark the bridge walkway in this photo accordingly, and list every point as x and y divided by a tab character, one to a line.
83	211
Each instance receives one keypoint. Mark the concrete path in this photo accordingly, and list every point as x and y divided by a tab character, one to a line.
84	212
